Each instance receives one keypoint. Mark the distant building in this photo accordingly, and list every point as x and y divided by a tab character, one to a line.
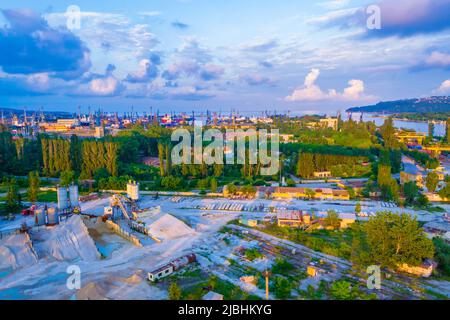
303	193
99	132
69	123
411	173
248	222
293	219
312	271
346	219
329	123
424	270
171	267
322	174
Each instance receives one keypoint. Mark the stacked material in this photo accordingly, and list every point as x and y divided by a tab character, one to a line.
16	251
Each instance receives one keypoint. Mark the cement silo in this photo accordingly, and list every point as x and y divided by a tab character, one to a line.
52	216
63	203
39	217
133	190
73	196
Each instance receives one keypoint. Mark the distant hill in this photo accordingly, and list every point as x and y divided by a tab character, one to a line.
422	105
8	111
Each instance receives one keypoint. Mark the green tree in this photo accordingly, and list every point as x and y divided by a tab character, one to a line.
305	165
13	199
33	186
411	192
232	189
174	291
171	182
430	129
447	131
281	287
395	239
341	290
310	193
332	219
66	178
161	152
213	185
444	193
432	181
358	208
387	132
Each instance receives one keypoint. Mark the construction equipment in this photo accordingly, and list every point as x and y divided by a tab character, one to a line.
29	211
119	201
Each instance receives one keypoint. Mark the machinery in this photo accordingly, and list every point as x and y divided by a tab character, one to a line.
122	203
29	211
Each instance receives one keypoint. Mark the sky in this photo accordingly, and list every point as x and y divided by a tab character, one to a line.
246	55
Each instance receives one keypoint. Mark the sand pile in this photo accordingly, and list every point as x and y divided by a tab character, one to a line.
134	287
16	251
167	227
69	240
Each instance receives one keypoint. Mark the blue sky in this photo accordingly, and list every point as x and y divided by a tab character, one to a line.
247	55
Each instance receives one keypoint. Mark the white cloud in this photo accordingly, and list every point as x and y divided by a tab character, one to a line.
438	59
104	86
444	88
312	92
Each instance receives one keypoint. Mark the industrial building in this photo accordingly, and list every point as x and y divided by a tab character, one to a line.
171	267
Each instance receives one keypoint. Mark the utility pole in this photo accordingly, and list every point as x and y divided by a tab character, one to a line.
266	275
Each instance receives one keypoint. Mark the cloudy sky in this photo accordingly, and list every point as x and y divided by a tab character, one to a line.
247	55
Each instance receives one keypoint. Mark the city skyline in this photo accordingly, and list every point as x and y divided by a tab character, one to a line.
248	56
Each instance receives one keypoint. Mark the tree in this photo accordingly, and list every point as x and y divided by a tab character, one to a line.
161	152
305	165
290	182
395	239
447	131
358	208
387	132
411	192
444	193
213	185
430	129
341	290
171	182
281	288
232	189
174	292
332	219
432	181
13	199
33	186
66	178
388	185
310	193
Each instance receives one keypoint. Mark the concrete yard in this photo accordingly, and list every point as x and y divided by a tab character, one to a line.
34	265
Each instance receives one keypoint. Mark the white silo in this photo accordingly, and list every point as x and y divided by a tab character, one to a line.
52	216
62	198
39	217
133	190
73	196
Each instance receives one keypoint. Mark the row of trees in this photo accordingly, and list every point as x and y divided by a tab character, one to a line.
308	163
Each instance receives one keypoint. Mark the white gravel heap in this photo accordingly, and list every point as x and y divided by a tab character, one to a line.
16	251
69	240
167	227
